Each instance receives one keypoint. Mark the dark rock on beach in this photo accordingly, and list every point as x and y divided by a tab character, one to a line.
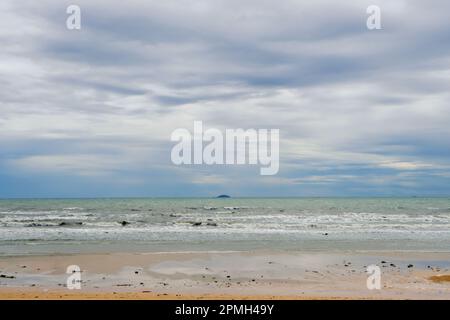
223	196
39	225
34	225
124	223
70	224
196	224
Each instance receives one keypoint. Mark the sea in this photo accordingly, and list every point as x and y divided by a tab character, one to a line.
70	226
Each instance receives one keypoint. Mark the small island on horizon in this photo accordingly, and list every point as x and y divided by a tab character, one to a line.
223	196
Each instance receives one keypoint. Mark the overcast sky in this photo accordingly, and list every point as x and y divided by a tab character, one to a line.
89	112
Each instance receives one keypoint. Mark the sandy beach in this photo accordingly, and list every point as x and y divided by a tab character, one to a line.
228	275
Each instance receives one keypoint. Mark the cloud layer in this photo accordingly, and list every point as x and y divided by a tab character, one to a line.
90	112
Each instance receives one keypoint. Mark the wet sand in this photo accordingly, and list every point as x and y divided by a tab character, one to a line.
228	275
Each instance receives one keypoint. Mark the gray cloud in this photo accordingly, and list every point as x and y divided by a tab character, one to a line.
349	102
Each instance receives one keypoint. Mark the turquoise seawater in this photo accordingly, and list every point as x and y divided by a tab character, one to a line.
42	226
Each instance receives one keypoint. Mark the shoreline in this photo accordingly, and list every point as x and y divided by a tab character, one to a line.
229	275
